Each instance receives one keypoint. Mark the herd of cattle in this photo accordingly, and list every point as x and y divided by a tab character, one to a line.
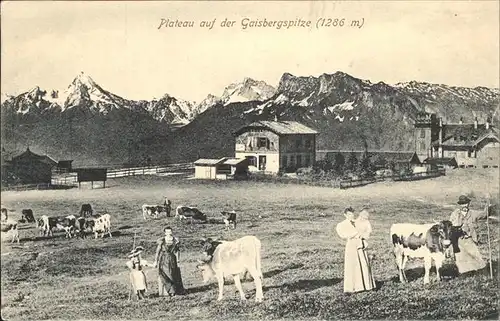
98	223
436	241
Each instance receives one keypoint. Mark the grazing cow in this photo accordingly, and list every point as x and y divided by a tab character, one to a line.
102	225
68	224
27	215
86	210
167	204
184	212
229	219
427	241
46	225
10	226
81	226
5	215
233	258
151	211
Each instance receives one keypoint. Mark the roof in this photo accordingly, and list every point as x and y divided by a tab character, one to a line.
234	161
29	154
465	134
394	156
441	161
279	127
209	161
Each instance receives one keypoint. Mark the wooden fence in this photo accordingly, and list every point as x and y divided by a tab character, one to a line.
396	177
71	178
345	183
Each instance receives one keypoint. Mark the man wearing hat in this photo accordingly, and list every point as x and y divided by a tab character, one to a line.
137	276
468	258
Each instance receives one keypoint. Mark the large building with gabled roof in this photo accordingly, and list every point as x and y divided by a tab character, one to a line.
472	145
271	146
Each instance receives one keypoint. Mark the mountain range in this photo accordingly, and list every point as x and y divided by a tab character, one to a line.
93	126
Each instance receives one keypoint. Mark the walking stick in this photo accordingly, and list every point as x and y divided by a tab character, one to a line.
488	229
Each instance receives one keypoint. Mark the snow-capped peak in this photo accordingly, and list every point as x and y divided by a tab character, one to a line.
247	90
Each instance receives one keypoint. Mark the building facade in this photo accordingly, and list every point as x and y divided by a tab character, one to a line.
471	144
222	168
30	168
271	146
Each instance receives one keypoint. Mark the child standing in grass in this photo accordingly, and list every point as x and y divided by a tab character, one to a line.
137	277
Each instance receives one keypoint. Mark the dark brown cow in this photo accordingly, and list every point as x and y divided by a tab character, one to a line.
86	210
27	215
184	212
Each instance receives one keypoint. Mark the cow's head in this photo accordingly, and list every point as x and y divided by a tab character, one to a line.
440	236
208	246
206	270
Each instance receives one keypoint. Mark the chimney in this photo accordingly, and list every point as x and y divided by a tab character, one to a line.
440	148
461	120
475	123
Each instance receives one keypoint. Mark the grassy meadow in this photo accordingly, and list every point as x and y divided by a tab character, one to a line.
302	257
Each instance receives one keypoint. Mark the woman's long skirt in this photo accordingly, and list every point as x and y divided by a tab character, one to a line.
357	270
469	258
169	276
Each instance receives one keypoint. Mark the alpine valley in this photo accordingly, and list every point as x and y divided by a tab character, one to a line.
92	126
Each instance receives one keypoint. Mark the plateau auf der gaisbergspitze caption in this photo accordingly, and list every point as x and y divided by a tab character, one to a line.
253	23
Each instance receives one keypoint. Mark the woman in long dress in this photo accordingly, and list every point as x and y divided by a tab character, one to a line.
468	258
357	271
166	259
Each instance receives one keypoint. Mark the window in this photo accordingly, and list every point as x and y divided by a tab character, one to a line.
308	143
262	142
422	133
299	160
297	143
422	146
292	160
283	161
307	160
252	160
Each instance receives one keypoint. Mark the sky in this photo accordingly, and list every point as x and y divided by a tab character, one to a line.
118	44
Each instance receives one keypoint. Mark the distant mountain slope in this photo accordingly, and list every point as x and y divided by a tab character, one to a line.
348	112
238	92
94	126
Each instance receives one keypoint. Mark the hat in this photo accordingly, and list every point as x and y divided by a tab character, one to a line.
135	252
463	200
349	209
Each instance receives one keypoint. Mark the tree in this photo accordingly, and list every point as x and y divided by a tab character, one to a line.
339	163
380	162
365	166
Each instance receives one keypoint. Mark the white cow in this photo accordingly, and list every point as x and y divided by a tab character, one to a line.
102	225
427	241
233	258
9	226
150	211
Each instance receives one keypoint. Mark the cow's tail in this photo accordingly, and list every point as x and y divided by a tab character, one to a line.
258	248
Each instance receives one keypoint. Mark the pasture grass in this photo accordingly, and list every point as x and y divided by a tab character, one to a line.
302	257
